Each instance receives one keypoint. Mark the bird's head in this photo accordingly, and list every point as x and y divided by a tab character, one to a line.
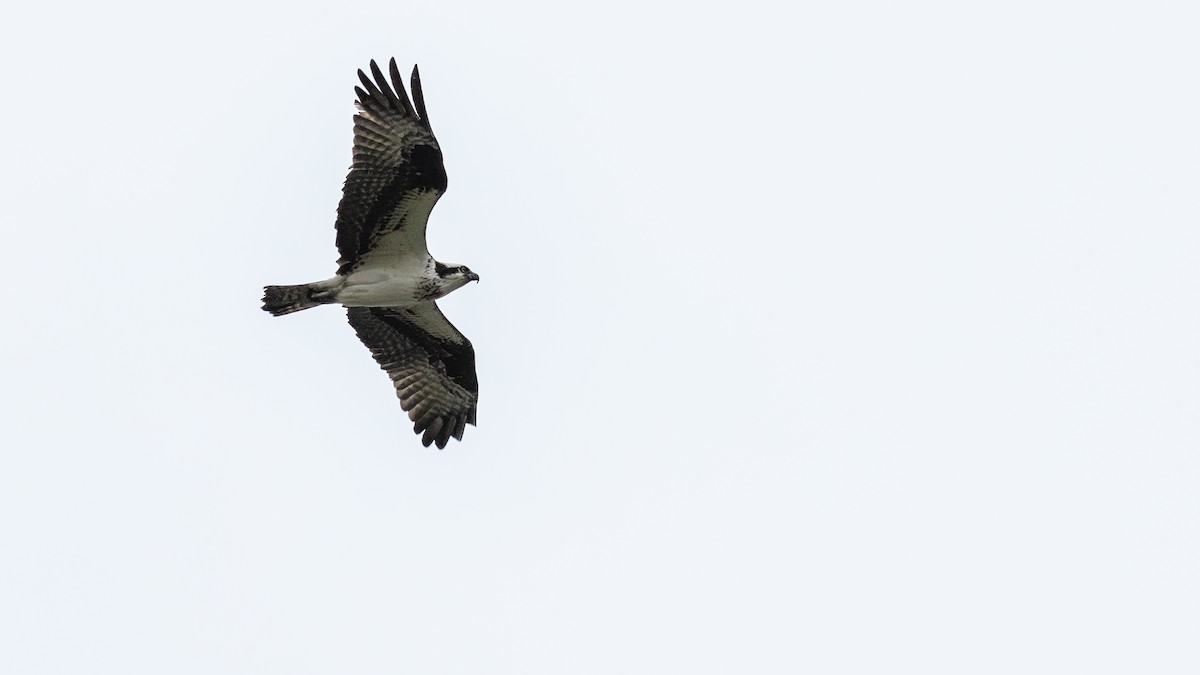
454	277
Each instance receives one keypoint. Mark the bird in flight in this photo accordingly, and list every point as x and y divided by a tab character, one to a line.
386	278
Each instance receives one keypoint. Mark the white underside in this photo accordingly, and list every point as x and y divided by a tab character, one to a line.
397	270
399	281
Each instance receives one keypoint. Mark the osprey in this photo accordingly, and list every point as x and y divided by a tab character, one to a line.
386	278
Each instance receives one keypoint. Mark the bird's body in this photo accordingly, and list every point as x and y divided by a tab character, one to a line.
386	277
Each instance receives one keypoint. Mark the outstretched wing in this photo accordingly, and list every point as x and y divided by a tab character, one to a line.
396	177
431	364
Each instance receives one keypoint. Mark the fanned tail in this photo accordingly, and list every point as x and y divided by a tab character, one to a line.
280	300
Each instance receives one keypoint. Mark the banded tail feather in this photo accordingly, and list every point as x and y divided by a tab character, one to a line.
280	300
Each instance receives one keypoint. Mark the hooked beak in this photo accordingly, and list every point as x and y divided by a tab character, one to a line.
472	277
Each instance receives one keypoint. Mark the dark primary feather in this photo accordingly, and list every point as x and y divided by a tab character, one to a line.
431	364
418	93
396	158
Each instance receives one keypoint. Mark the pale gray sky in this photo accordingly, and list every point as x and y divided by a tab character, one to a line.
845	338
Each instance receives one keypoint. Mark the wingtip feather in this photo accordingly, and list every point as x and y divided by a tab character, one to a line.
434	432
397	99
419	97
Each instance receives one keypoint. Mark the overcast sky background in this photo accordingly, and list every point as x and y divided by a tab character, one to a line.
857	337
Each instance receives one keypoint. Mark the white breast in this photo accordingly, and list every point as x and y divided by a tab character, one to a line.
401	285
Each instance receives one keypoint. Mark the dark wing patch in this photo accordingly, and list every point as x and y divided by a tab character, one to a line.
431	364
396	160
